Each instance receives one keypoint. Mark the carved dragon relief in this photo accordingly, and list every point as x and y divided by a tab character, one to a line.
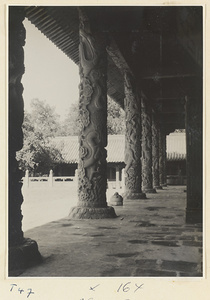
160	158
155	154
92	164
16	113
146	147
132	147
16	70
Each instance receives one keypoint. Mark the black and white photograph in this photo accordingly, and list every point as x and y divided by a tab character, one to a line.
108	170
106	123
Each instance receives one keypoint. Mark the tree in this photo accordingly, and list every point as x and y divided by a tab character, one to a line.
44	118
38	154
71	124
115	118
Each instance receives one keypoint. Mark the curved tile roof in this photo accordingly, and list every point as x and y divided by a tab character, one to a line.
176	146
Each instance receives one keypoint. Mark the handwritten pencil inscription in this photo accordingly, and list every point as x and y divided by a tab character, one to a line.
15	289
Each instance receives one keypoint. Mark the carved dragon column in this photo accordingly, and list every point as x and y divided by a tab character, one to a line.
194	157
132	141
147	178
92	166
155	153
22	252
164	162
161	159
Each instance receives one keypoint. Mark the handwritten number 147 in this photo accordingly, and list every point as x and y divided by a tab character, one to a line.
13	286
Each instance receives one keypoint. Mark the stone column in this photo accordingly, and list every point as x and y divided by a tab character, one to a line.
161	159
132	141
155	153
164	161
22	252
194	158
92	166
146	159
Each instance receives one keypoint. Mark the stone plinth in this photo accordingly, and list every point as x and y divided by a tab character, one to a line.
23	256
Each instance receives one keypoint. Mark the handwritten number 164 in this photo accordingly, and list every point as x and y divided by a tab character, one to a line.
125	287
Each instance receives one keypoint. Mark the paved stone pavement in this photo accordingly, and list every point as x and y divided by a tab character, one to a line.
149	238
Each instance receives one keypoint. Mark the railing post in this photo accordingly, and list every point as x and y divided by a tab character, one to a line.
51	178
117	178
123	179
26	178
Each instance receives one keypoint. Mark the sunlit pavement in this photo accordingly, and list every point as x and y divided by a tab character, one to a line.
149	238
43	204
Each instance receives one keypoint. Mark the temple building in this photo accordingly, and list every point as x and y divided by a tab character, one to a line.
68	146
147	59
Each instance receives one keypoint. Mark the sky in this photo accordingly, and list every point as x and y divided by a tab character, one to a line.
49	74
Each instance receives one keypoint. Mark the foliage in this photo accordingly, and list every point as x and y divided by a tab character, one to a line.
44	118
115	118
38	154
71	124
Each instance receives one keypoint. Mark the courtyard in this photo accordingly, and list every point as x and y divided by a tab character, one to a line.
149	238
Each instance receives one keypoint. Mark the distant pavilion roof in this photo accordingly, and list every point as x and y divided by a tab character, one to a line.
69	146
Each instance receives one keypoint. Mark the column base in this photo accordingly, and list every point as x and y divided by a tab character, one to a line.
78	212
194	216
23	256
134	196
149	191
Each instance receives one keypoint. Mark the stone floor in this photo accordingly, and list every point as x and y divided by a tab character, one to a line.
149	238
